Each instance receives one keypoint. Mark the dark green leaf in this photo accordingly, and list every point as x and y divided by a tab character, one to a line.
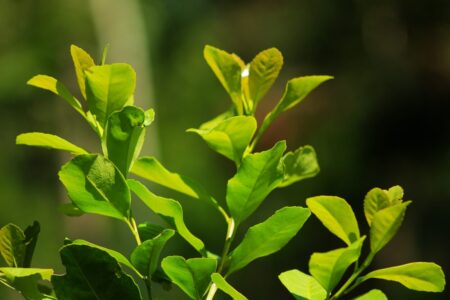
258	175
12	245
302	286
82	61
268	237
148	230
225	287
50	141
31	236
299	165
92	274
96	186
192	276
70	210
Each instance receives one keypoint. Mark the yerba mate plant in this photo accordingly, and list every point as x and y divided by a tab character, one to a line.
100	184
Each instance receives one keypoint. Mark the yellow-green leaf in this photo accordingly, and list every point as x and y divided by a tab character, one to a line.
302	286
298	165
227	288
50	141
82	61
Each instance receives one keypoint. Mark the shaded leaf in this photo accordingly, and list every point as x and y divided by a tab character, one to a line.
268	237
148	231
329	267
50	141
92	274
82	61
31	236
192	276
373	295
70	210
336	215
375	200
12	245
299	165
96	186
258	175
170	210
302	286
225	287
418	276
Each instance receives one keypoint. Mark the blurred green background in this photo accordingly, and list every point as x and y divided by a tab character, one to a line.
384	120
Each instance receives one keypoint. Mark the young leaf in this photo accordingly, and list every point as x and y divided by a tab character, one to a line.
108	89
373	295
12	245
268	237
418	276
336	215
225	287
299	165
146	256
25	280
228	69
302	286
82	61
96	186
264	70
385	224
124	136
375	200
230	137
56	87
50	141
258	175
329	267
170	210
92	274
192	276
395	194
31	236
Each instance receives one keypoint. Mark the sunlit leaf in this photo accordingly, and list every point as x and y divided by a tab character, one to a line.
12	245
225	287
26	280
82	61
375	200
302	286
373	295
298	165
50	141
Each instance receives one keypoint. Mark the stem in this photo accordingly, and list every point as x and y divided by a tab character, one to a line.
266	123
212	292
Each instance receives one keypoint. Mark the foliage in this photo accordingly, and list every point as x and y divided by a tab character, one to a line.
101	184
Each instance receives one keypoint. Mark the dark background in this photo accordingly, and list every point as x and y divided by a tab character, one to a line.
382	121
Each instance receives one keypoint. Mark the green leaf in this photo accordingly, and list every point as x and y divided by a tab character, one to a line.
230	137
92	274
96	186
264	70
119	257
148	231
227	68
82	61
109	88
124	136
56	87
268	237
145	257
151	169
50	141
26	280
170	210
70	210
302	286
395	194
208	125
336	215
375	200
192	275
258	175
329	267
225	287
385	224
418	276
31	236
373	295
299	165
12	245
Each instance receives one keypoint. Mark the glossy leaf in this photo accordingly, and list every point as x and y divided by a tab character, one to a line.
56	87
227	69
192	276
375	200
302	286
230	137
12	245
373	295
418	276
25	280
385	224
82	61
298	165
50	141
170	210
268	237
336	215
109	88
263	72
96	186
145	257
258	175
329	267
92	274
124	136
225	287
